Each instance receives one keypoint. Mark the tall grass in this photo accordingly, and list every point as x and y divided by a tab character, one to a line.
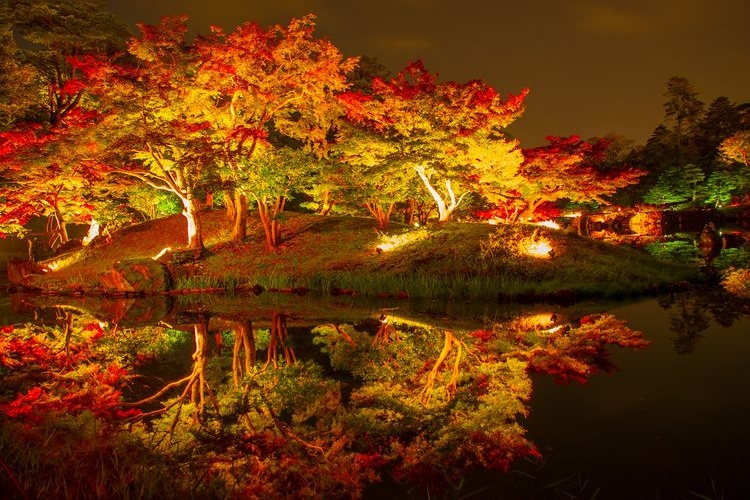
418	284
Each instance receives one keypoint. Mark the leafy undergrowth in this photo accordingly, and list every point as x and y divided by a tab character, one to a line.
460	260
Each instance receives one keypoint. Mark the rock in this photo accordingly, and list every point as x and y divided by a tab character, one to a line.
136	276
19	271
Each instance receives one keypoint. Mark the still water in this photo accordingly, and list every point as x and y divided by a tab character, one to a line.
669	420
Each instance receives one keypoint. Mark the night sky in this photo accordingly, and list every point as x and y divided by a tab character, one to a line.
593	67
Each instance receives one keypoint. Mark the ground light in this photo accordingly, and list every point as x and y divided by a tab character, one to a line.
536	246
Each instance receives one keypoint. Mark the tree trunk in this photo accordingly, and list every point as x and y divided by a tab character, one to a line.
528	212
444	209
195	234
239	230
229	204
409	212
269	218
381	216
62	227
326	204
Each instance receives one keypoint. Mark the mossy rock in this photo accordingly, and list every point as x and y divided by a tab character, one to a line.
137	276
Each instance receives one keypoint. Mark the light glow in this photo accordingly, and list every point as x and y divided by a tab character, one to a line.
93	232
161	253
540	249
391	242
549	223
536	246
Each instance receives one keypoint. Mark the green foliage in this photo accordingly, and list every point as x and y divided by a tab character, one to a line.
153	204
732	257
137	346
720	186
675	251
678	184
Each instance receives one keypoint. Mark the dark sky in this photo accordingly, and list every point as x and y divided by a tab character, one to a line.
594	67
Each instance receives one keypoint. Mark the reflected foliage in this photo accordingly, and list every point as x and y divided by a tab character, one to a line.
690	315
96	410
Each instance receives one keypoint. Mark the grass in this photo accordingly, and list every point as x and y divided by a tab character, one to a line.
454	260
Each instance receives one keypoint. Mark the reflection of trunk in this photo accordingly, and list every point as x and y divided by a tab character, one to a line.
450	344
269	218
243	353
196	385
386	332
199	386
278	341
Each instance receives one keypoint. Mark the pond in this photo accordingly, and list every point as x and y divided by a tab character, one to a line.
277	395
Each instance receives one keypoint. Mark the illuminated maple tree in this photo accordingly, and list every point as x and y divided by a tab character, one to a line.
736	147
48	173
155	116
564	169
274	87
366	178
450	135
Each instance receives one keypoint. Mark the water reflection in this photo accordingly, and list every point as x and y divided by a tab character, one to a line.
266	396
691	315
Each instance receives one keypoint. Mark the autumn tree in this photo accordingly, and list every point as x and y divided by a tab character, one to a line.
48	173
368	177
564	169
281	82
54	31
450	135
156	116
735	148
17	82
45	168
275	173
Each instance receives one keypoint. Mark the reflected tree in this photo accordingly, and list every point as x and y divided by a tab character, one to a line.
278	341
196	387
243	352
424	404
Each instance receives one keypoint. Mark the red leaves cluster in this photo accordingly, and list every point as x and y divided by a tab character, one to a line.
16	352
576	354
79	383
412	82
460	108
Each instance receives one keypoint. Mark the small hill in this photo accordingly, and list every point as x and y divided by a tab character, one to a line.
343	254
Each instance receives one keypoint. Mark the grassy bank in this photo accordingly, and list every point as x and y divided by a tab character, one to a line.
349	255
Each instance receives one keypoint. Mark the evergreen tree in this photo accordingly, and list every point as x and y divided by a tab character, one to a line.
682	111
